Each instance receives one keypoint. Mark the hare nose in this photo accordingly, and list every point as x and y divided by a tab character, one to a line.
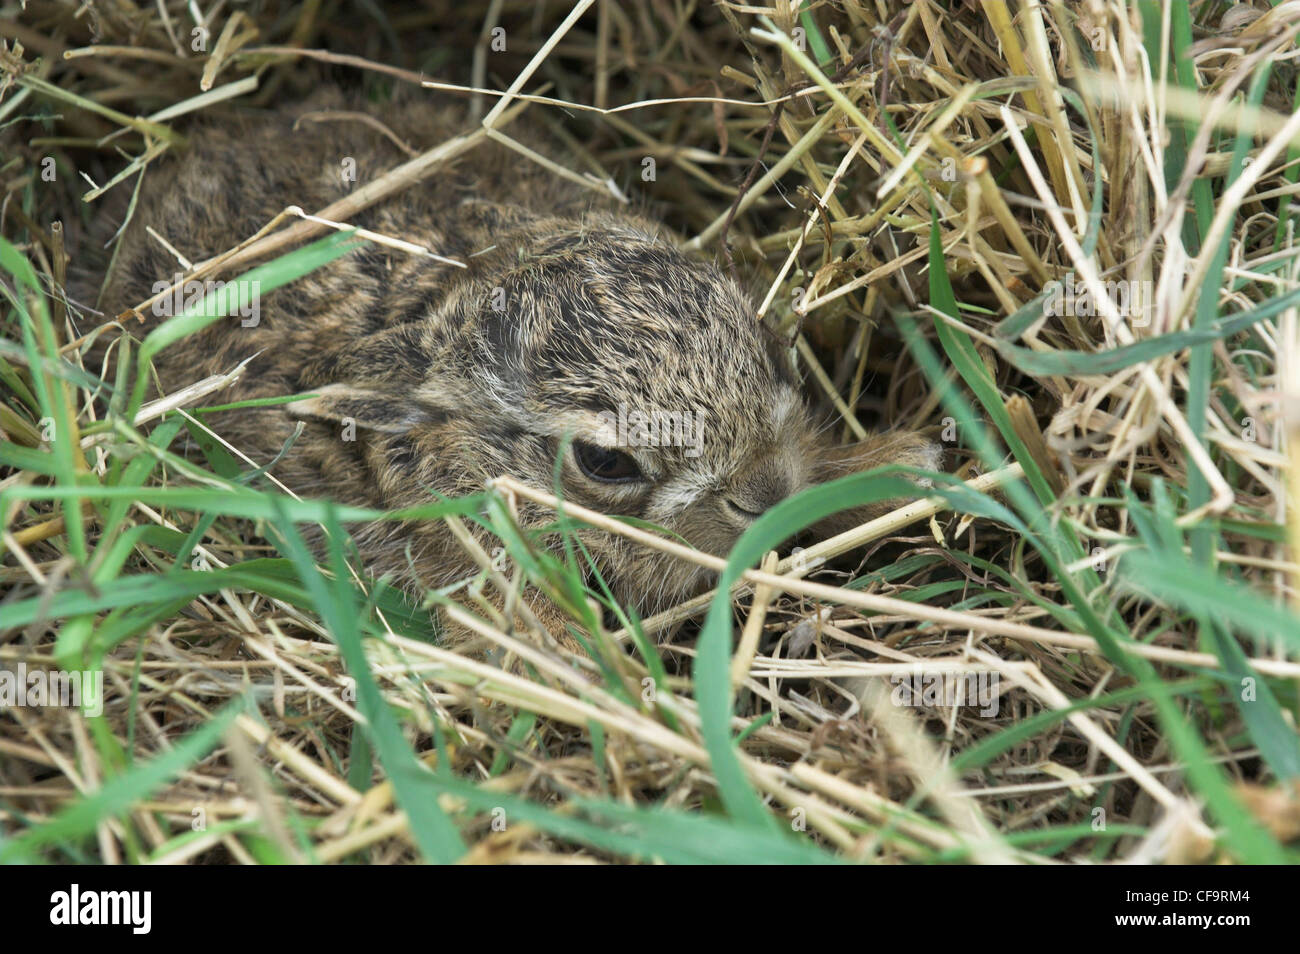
756	501
764	483
744	509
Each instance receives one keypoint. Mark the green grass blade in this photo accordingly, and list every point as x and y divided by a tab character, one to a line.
433	831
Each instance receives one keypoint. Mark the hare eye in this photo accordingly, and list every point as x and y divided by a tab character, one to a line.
603	464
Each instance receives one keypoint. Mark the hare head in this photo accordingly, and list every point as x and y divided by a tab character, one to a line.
593	350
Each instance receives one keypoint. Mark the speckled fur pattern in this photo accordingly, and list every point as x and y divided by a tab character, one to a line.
597	309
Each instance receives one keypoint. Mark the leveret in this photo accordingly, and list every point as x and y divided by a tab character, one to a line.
578	331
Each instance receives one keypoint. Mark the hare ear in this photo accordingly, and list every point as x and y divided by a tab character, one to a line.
368	409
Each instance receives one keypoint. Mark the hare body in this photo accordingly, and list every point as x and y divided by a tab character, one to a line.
574	319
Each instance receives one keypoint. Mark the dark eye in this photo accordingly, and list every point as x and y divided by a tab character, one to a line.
603	464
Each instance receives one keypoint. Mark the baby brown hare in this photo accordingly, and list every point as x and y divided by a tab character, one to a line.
577	328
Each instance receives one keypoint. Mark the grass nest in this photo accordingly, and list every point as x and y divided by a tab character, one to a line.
1061	236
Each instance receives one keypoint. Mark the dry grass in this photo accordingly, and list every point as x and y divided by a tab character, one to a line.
812	163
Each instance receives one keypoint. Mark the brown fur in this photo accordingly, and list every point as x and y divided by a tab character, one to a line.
600	310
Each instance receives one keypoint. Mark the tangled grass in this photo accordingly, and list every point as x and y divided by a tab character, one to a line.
1059	235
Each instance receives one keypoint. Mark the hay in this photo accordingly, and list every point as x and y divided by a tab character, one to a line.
1124	558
